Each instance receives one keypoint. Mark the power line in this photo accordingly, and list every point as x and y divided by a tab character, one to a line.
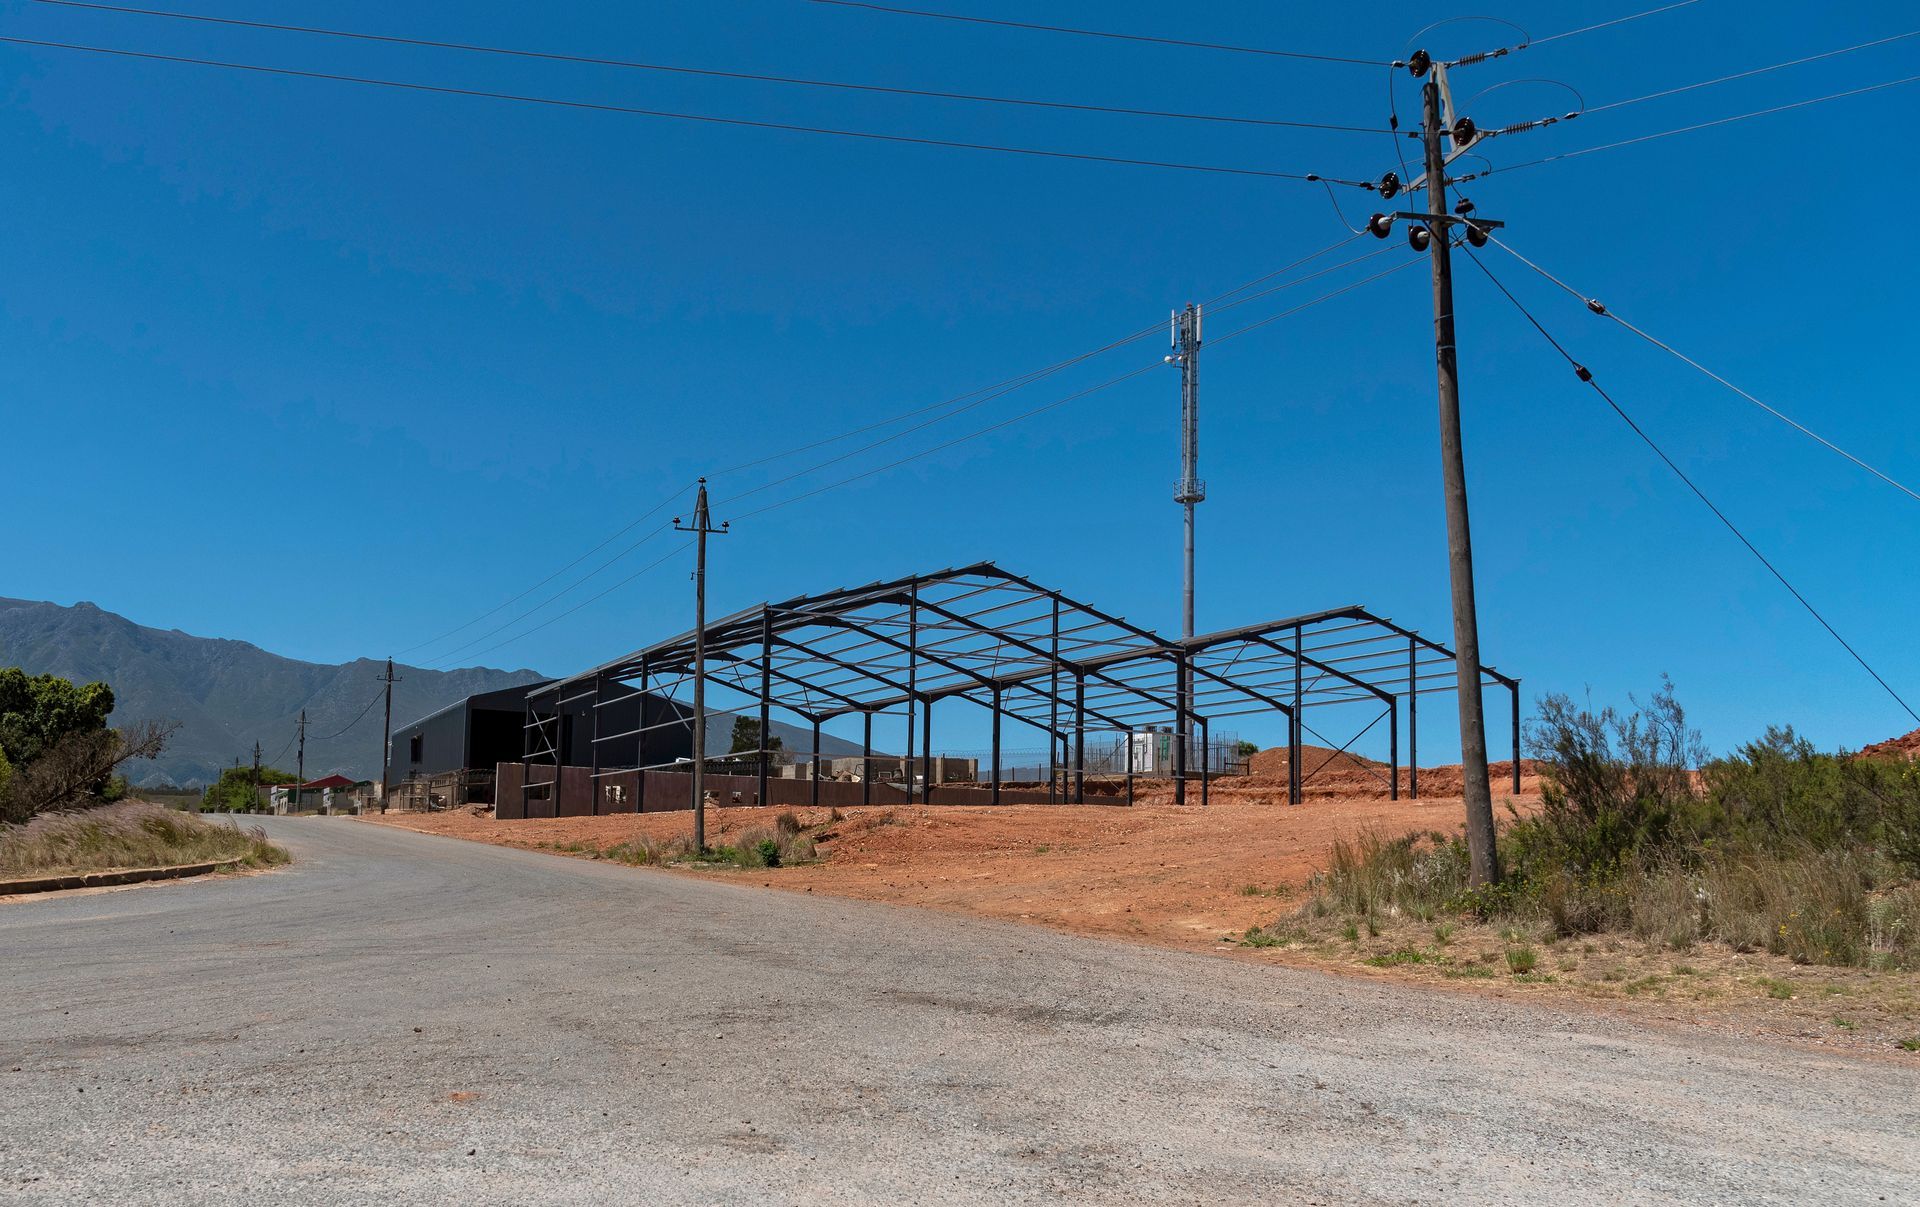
646	569
449	656
1741	75
631	525
1527	40
983	394
1097	33
355	721
1587	29
1074	397
1739	117
711	73
1586	376
1603	311
982	401
706	118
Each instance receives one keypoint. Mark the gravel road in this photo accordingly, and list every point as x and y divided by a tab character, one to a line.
402	1019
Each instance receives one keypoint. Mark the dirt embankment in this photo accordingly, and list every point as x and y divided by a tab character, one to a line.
1906	746
1167	874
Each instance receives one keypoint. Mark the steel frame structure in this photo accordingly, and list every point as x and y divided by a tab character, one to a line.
1027	653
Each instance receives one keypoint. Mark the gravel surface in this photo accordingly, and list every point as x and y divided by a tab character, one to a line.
400	1019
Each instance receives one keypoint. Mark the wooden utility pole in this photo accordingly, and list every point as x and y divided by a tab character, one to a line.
1484	859
300	761
386	743
256	777
702	527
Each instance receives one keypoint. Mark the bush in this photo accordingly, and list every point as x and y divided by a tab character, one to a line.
128	835
1776	848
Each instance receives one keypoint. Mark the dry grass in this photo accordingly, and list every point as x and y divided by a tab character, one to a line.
133	834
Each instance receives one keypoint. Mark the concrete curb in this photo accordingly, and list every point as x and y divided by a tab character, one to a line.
49	884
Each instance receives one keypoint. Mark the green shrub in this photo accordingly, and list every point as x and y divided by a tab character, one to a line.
1521	960
768	850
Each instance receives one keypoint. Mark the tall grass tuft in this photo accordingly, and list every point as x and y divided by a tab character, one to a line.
131	834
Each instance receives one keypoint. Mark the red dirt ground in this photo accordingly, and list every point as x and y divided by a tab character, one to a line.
1155	871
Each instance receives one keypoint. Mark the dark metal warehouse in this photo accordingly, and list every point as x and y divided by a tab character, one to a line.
984	636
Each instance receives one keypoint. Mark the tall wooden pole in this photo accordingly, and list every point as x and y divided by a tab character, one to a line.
1483	859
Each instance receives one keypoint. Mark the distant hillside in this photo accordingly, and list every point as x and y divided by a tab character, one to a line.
228	694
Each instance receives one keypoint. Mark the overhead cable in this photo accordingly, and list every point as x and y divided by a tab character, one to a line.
635	111
1586	375
1077	395
1097	33
1597	307
707	72
960	401
1739	117
1741	75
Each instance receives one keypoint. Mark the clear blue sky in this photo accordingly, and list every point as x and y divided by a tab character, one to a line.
331	368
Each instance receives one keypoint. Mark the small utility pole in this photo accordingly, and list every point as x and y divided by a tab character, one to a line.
386	743
1483	858
300	761
1190	490
256	775
702	527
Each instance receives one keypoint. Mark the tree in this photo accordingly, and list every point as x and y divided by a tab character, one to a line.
746	737
78	769
234	791
37	711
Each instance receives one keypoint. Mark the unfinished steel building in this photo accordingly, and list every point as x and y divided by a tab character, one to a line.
982	636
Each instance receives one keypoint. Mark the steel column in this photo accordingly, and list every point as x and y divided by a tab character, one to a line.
1180	738
926	751
866	758
913	671
1413	718
1393	749
1079	739
766	699
593	745
996	744
1128	738
640	745
1206	763
816	762
1053	698
1515	688
1295	784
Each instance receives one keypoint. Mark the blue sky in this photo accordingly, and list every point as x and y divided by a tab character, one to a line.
333	369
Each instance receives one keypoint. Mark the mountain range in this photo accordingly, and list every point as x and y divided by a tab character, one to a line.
228	695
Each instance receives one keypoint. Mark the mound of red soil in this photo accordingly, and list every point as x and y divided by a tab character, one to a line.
1315	761
1906	746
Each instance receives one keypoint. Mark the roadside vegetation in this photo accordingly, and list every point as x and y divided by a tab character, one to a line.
787	842
238	789
56	751
127	834
63	805
1647	864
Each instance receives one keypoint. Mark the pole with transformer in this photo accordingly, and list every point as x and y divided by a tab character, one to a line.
702	527
386	743
1189	491
1433	232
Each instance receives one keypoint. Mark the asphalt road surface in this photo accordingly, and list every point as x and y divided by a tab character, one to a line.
403	1019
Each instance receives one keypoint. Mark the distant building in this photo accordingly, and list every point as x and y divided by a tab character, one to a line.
481	732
